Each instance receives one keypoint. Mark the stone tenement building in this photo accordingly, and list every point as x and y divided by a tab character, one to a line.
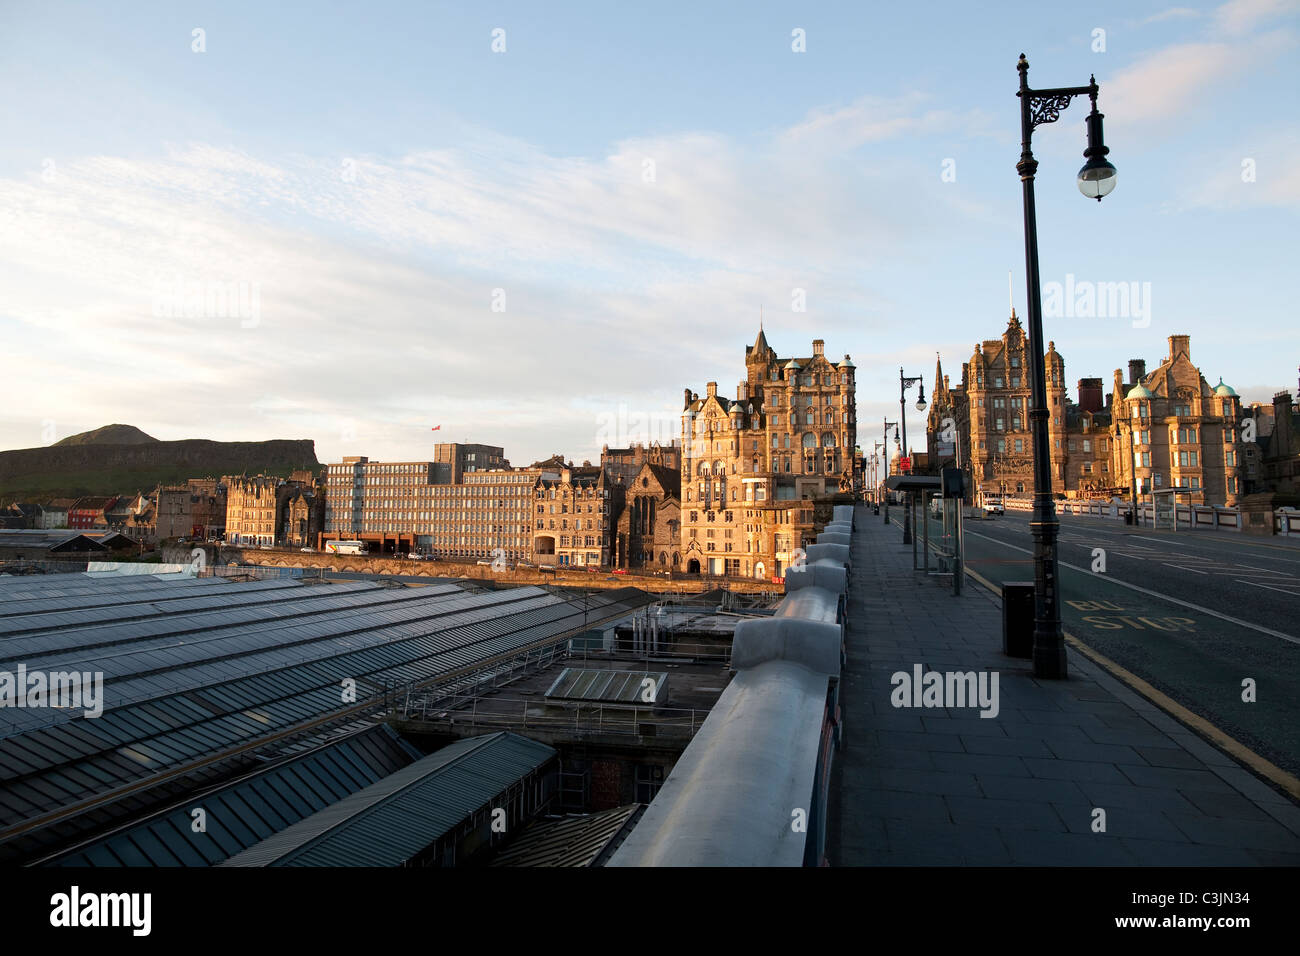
1273	460
751	466
575	518
194	509
1177	431
258	509
252	508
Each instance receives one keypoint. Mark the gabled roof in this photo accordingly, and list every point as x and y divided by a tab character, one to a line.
399	817
670	479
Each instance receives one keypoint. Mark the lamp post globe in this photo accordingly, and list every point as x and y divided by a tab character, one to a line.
1096	179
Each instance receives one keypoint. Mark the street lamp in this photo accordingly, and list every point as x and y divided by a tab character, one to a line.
1095	180
904	383
885	446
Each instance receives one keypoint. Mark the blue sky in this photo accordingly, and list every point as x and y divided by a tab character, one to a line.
533	247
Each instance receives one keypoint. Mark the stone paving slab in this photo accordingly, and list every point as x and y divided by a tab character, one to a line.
942	786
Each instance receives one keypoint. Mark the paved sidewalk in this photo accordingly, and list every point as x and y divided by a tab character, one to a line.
936	786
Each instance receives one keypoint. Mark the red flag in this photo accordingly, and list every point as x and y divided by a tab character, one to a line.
435	428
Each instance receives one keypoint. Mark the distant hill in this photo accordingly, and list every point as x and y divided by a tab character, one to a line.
109	435
121	459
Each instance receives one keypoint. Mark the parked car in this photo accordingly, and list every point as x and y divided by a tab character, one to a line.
620	570
994	508
308	550
484	562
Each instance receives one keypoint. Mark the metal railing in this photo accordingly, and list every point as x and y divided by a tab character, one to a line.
493	712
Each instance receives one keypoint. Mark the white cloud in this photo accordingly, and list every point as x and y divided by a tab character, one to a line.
375	290
1240	17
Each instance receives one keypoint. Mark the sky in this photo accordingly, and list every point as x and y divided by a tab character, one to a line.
534	225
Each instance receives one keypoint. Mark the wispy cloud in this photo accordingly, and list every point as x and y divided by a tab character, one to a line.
1239	17
1173	13
454	285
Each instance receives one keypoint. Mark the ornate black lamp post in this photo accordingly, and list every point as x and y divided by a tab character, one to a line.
1095	180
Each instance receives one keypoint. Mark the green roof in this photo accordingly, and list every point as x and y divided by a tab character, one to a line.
395	820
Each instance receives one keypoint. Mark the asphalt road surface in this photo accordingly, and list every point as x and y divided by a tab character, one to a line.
1194	613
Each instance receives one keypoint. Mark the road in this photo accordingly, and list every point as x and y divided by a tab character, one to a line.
1194	613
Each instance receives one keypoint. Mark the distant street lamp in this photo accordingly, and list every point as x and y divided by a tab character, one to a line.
1095	180
904	383
885	447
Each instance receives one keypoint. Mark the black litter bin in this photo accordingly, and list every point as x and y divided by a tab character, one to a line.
1128	517
1018	619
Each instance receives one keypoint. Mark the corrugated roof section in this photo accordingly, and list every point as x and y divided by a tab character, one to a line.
392	821
243	813
577	840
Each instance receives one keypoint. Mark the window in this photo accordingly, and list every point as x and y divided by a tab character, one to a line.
1002	445
1020	444
997	382
1015	381
1087	445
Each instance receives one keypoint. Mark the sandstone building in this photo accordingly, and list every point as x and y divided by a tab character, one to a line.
753	465
1174	430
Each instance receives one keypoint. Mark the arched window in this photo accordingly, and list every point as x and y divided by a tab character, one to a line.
828	439
809	440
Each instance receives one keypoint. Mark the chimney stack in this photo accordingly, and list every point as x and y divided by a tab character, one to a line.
1137	370
1180	344
1283	445
819	346
712	389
